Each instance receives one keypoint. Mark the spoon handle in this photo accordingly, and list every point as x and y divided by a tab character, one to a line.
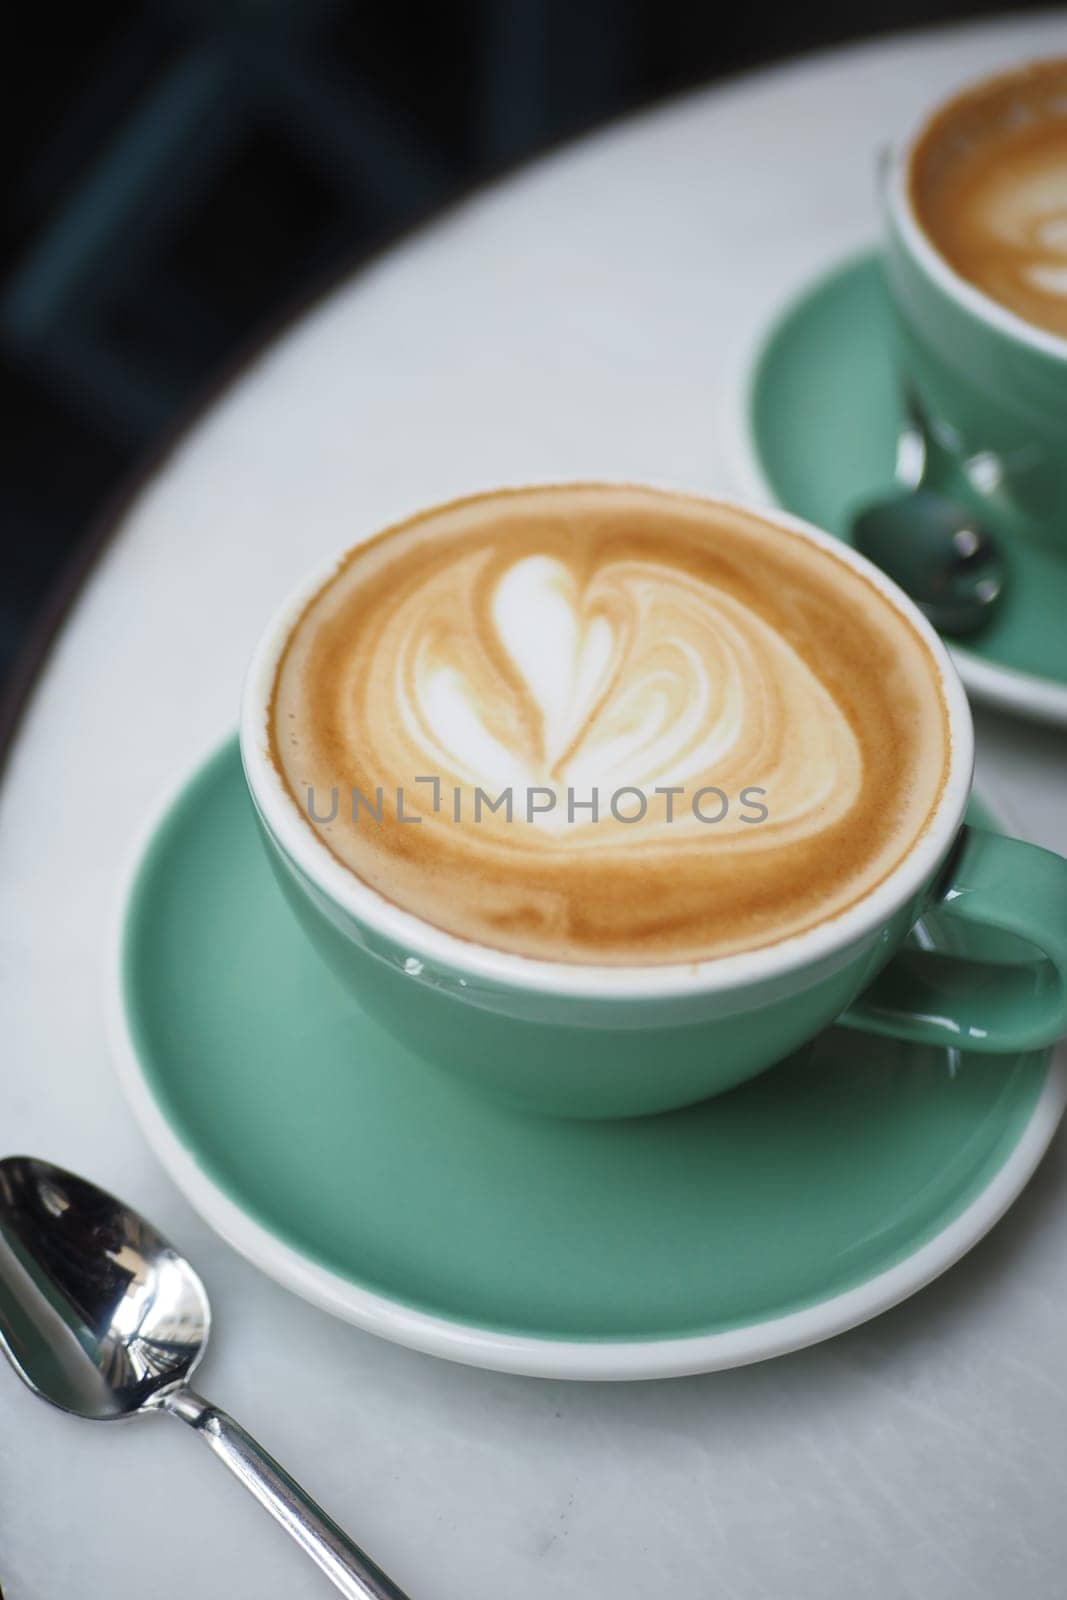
343	1562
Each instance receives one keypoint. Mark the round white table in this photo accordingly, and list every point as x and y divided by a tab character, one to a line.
573	321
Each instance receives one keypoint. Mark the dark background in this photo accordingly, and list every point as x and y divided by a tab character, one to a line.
175	171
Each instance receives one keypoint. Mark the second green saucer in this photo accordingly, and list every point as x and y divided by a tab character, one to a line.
815	416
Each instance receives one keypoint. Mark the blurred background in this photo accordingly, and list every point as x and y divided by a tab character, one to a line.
177	172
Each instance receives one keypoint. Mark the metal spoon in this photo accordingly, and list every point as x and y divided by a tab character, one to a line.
102	1317
934	549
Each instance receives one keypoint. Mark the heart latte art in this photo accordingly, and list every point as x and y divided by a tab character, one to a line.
989	183
608	725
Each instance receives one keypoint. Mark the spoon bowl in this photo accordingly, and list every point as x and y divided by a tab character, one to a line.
103	1318
98	1313
937	552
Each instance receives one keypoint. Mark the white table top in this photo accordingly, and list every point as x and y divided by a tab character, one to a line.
571	322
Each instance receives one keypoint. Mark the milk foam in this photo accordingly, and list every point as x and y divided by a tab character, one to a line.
1024	216
648	678
989	180
583	641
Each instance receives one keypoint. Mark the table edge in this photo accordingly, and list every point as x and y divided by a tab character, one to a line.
105	524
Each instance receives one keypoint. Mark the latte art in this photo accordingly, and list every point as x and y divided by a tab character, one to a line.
639	679
582	644
989	184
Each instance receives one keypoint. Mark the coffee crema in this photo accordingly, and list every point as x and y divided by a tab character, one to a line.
988	184
574	642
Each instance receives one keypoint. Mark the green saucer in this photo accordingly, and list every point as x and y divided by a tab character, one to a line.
822	412
367	1181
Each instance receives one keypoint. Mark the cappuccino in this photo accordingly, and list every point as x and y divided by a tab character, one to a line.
609	724
988	185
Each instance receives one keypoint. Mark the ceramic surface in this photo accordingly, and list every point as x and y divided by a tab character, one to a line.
819	407
359	1175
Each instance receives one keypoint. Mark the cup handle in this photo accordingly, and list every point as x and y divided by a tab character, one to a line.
990	882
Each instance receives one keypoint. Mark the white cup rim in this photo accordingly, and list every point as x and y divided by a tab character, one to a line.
428	946
922	248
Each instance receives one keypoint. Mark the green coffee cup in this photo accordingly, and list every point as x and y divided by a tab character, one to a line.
582	1041
989	386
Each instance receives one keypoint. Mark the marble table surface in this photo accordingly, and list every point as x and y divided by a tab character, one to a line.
575	320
